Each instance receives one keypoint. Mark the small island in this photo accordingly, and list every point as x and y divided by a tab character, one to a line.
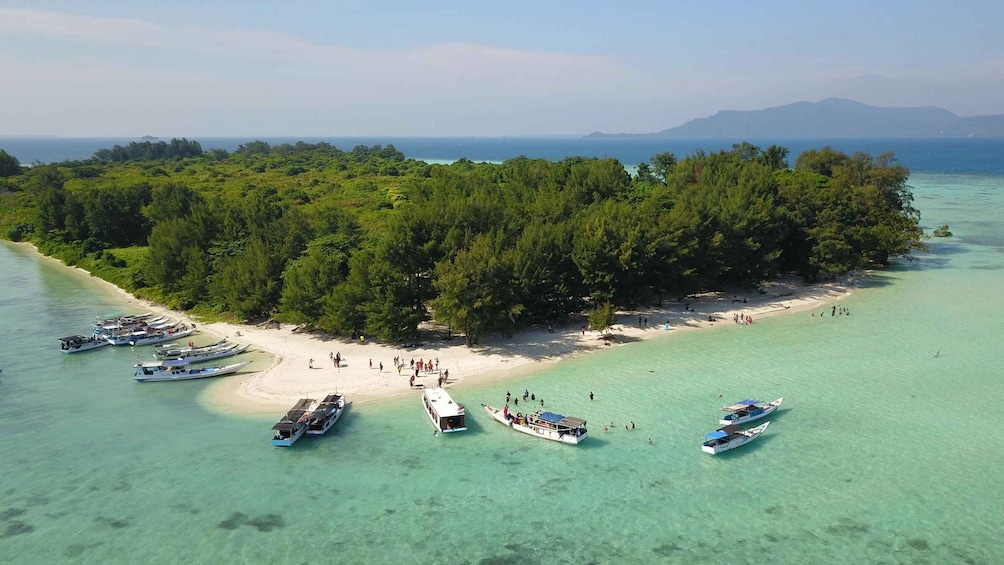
942	231
149	138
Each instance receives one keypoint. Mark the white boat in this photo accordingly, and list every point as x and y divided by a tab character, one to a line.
293	424
78	343
210	354
731	437
547	425
179	370
150	338
747	411
320	420
445	414
169	350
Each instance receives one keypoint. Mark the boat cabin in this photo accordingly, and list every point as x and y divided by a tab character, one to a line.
173	366
743	408
557	422
294	421
722	435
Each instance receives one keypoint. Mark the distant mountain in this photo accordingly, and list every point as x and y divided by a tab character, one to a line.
832	117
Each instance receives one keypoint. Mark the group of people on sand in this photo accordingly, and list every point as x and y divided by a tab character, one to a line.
742	319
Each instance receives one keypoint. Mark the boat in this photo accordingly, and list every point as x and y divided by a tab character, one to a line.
547	425
320	420
210	354
731	437
747	411
179	370
144	337
445	414
78	343
293	424
168	350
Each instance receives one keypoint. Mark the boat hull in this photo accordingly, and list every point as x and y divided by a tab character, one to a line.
85	346
570	439
768	409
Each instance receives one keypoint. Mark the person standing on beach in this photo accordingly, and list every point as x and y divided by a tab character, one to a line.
590	395
311	365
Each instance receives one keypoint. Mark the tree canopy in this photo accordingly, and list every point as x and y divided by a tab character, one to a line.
367	240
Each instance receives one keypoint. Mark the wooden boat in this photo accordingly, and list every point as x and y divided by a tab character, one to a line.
145	337
445	414
174	350
210	354
293	424
547	425
78	343
747	411
179	370
320	420
731	437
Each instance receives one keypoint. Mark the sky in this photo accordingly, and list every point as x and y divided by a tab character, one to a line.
468	68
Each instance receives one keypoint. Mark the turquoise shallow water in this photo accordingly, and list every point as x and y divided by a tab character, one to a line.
882	452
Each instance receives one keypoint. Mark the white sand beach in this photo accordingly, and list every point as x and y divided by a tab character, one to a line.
277	383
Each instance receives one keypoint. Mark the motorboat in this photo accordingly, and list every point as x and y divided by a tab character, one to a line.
293	424
445	414
144	337
747	411
78	343
730	437
546	425
320	420
180	370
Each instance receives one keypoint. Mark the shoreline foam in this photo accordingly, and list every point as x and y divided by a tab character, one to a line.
288	377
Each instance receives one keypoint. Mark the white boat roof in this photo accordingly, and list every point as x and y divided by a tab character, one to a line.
168	363
443	403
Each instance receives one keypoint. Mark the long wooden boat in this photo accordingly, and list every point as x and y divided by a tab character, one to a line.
151	338
179	370
321	418
169	350
445	414
293	424
78	343
210	354
546	425
747	411
730	437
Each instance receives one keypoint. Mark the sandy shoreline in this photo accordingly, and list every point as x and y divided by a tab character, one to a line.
273	384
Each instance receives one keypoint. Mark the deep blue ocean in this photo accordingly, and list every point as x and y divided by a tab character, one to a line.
969	156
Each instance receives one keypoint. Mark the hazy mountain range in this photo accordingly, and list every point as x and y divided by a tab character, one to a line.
832	117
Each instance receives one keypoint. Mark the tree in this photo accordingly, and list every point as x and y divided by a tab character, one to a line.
663	165
9	165
474	292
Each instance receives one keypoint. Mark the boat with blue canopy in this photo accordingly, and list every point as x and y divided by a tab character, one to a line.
730	437
747	411
547	425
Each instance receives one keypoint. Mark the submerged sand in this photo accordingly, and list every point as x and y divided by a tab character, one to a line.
300	364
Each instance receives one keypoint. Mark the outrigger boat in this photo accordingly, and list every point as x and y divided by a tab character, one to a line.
293	424
171	350
179	370
445	414
149	338
747	411
731	437
210	354
547	425
325	415
78	343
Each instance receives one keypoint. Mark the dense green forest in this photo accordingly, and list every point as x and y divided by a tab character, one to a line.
370	241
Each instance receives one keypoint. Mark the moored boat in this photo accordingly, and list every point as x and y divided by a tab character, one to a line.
144	337
325	415
731	437
293	424
547	425
210	354
445	414
747	411
78	343
179	370
169	350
